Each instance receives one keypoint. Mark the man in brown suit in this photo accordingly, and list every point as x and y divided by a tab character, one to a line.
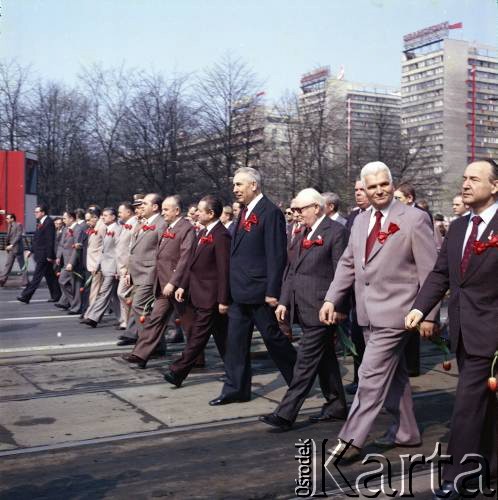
206	279
467	265
172	255
14	248
142	262
307	278
390	252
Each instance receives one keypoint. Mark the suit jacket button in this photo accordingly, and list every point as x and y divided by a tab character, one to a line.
367	283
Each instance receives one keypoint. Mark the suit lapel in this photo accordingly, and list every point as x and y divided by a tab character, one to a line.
477	261
201	246
397	209
241	232
320	231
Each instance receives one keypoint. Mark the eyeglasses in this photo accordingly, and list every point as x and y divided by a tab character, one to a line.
289	212
300	209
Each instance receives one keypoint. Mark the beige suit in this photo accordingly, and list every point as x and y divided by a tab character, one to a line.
107	267
15	238
385	287
142	264
93	252
122	258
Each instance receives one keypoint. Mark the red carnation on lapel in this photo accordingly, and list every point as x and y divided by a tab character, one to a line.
205	240
382	236
481	246
249	222
307	244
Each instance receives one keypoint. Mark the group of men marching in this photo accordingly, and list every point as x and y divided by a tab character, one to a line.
225	278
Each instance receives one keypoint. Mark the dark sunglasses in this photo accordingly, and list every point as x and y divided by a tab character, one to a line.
299	210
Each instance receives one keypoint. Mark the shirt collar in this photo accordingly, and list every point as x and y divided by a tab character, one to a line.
487	214
384	211
315	226
42	220
209	227
334	216
253	203
173	224
73	225
152	219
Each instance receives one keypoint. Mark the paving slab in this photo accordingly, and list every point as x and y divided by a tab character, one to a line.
14	384
61	419
86	374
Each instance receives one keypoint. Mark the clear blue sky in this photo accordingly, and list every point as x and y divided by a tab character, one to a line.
280	39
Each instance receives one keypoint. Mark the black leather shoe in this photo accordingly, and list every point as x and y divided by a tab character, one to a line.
173	378
387	442
73	313
131	358
89	322
275	421
448	492
325	418
351	388
127	341
120	327
60	306
23	300
52	300
226	400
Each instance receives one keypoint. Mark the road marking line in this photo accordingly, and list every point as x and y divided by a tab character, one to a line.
28	318
32	300
59	346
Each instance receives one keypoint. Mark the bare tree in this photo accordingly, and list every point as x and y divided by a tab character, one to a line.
227	118
14	90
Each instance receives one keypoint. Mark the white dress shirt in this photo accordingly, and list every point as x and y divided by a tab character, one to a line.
385	213
252	204
486	217
314	227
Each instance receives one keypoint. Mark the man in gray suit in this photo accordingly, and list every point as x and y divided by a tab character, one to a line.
307	277
142	261
390	252
332	205
107	294
14	247
69	258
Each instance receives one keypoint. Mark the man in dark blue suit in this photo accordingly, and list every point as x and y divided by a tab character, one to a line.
43	248
258	258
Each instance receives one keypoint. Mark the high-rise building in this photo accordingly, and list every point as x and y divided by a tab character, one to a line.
361	121
449	108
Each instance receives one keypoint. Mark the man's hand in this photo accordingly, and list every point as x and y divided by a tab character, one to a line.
57	262
326	314
127	279
428	329
271	301
9	248
69	267
280	313
412	319
222	308
338	317
168	290
179	294
28	255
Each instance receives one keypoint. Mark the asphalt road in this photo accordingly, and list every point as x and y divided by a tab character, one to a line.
87	426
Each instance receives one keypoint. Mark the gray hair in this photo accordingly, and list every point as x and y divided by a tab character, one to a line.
332	199
310	195
252	173
177	201
374	168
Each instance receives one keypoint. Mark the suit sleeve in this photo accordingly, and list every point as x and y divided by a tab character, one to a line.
16	237
437	282
424	253
222	254
276	251
76	253
185	250
344	277
339	244
286	285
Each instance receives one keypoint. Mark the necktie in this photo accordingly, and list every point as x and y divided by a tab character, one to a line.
242	217
201	234
476	220
373	234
